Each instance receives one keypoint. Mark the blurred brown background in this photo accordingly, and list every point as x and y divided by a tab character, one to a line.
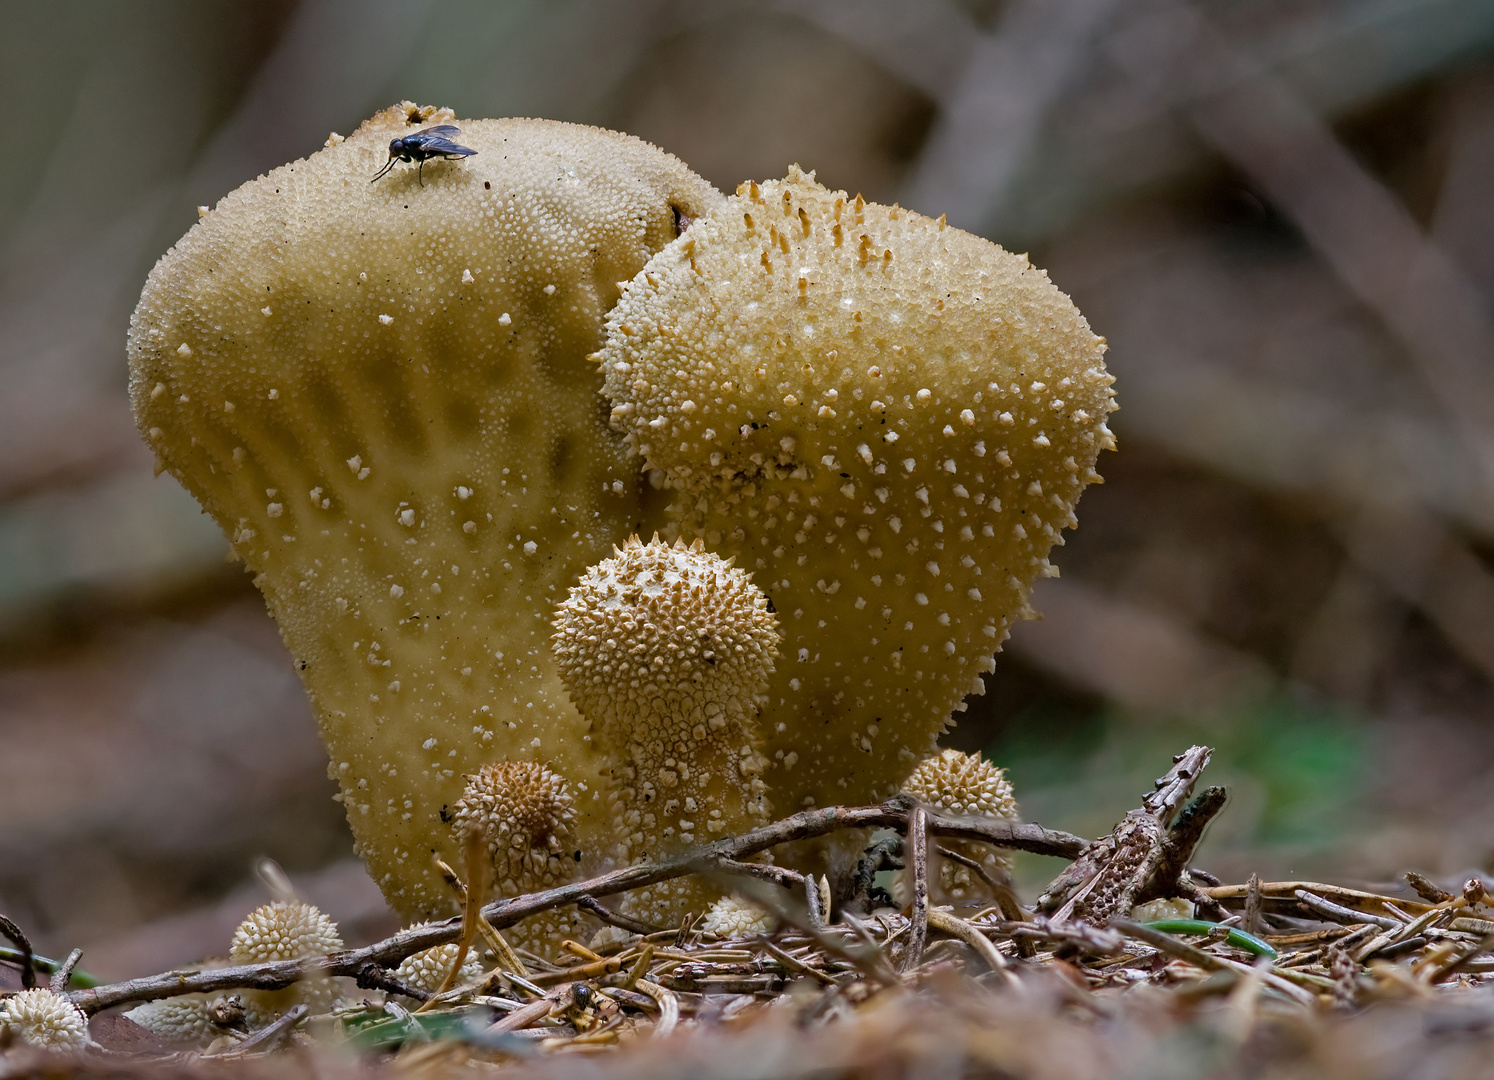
1280	213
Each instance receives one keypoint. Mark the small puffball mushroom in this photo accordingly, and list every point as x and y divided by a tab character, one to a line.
524	812
966	785
733	917
667	651
889	422
181	1022
427	970
286	930
42	1018
381	394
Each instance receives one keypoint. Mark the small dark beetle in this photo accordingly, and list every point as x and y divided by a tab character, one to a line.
422	146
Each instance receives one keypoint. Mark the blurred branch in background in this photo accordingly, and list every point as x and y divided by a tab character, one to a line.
1280	214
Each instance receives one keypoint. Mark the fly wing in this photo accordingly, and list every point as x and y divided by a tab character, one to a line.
437	140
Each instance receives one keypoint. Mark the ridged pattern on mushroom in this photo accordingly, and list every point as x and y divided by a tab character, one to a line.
286	930
381	394
524	811
42	1018
731	916
667	651
969	786
889	422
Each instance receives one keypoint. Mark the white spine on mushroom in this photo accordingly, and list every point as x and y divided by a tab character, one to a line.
965	785
286	930
667	651
42	1018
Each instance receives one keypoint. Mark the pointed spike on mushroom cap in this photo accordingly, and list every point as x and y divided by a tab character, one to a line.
892	446
380	392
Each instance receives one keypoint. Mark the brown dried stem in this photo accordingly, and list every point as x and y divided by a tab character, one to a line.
361	963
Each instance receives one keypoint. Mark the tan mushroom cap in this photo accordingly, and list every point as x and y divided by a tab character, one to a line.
667	650
380	392
966	785
889	422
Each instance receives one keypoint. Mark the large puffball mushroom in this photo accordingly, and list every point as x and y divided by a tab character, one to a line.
523	813
667	651
888	421
286	930
965	785
380	392
43	1018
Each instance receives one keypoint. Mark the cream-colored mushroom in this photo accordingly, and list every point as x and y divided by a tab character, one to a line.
43	1018
286	930
380	392
667	651
427	970
731	917
889	422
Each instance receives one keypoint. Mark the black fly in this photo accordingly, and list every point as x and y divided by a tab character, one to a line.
433	142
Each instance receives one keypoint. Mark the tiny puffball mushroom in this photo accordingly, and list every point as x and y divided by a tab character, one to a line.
43	1018
889	422
667	651
286	930
181	1022
524	811
428	969
733	917
381	394
965	785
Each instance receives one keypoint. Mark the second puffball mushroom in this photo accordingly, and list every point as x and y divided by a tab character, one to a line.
667	652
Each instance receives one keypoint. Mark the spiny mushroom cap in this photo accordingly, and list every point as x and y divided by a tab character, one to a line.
888	421
284	930
42	1018
968	785
965	784
656	625
523	811
667	649
731	916
426	970
380	392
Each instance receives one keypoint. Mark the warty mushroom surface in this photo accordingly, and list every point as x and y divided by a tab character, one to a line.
889	422
380	393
